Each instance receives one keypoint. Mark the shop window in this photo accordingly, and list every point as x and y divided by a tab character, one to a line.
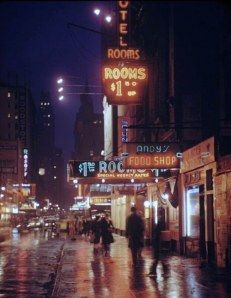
192	212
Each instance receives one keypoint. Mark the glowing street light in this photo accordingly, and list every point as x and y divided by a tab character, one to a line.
97	11
108	18
60	81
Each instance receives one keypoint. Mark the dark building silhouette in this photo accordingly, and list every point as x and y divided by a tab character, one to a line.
50	163
18	124
88	130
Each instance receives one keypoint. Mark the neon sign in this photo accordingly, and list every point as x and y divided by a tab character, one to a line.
105	170
25	162
152	161
124	84
124	81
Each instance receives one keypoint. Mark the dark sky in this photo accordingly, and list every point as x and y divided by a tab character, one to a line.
36	44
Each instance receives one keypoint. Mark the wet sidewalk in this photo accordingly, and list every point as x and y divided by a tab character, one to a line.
81	274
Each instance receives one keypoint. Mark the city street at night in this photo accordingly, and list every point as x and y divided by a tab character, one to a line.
38	265
115	149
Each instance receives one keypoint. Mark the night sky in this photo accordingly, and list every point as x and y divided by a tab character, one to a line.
37	45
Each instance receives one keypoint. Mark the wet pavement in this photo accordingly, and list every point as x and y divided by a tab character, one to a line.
28	264
82	274
41	265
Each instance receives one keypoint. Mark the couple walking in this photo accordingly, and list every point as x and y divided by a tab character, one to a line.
102	227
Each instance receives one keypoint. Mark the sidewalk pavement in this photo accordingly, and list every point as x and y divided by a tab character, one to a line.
81	274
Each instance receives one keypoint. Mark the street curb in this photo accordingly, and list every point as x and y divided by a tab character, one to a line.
58	273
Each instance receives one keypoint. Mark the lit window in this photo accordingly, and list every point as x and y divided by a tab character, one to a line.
55	177
48	116
54	167
41	103
9	115
16	117
48	124
192	212
8	94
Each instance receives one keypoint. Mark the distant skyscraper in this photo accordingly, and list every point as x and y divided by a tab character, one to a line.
88	130
18	124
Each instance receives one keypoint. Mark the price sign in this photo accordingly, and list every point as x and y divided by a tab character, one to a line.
125	84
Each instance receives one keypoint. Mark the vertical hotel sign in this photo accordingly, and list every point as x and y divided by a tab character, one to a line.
124	75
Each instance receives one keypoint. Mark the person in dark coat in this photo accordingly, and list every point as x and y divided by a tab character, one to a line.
134	233
96	231
156	235
106	233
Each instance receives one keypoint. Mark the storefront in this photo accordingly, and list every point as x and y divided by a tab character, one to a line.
222	186
197	205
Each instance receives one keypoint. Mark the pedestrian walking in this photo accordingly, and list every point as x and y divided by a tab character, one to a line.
134	233
72	229
106	233
156	234
96	231
142	236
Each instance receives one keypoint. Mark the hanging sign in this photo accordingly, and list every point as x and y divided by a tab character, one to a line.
124	84
124	75
91	171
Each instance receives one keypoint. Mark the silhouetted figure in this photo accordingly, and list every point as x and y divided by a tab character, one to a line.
134	233
106	233
96	231
156	234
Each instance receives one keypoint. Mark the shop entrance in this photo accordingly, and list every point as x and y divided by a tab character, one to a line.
202	245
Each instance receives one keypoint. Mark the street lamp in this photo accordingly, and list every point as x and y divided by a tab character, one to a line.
97	11
60	81
61	84
107	17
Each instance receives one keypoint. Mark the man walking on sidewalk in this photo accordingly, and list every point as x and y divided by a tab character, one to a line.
134	233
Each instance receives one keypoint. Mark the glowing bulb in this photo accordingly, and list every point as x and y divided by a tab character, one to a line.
61	97
97	11
60	81
108	19
60	89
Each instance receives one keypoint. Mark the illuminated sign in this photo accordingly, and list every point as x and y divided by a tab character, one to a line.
123	22
152	161
123	54
124	84
124	77
112	170
25	162
151	148
100	201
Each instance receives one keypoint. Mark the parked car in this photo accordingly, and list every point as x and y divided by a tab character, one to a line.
49	225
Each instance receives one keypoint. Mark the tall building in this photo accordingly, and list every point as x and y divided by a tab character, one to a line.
46	147
18	125
88	130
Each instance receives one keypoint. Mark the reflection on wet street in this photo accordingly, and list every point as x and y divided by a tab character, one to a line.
27	262
40	264
83	274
